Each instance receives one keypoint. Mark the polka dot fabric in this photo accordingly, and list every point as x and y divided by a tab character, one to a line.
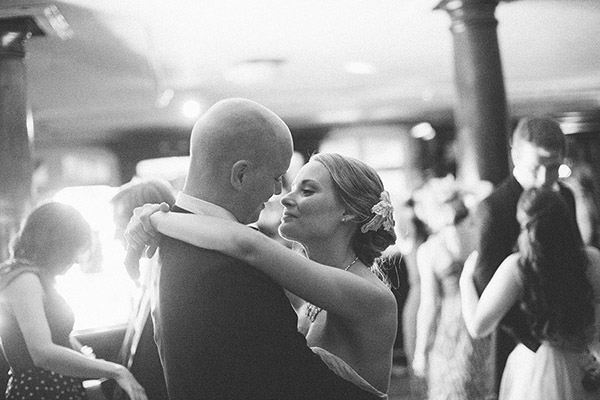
40	384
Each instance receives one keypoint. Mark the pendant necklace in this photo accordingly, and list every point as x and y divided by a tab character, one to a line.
311	310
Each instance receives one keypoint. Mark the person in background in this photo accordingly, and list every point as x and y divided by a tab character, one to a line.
138	351
228	330
537	151
582	184
416	232
37	322
555	279
454	365
339	212
413	232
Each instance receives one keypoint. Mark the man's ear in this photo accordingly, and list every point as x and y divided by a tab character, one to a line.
514	153
238	173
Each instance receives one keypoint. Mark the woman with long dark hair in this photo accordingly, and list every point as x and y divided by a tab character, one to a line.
556	281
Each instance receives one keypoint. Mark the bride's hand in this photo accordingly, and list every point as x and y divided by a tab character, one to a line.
141	234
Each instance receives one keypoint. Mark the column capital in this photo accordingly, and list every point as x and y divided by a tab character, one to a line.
18	24
13	36
470	12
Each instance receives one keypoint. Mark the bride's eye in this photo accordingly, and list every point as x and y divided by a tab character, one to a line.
307	191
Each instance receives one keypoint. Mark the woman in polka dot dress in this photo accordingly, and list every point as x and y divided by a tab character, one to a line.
37	322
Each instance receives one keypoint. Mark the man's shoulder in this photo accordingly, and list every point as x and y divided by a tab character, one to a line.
503	195
566	191
181	261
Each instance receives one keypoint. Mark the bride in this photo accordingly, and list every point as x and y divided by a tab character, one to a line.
339	212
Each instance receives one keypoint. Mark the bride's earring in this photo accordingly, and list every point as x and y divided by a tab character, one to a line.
347	217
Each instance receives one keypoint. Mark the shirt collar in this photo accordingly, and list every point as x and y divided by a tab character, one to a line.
202	207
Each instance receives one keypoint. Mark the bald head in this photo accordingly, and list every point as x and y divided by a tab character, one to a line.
234	142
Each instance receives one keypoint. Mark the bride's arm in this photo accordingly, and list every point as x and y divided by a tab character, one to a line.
333	289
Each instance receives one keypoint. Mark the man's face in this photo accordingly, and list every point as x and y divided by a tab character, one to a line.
535	166
263	182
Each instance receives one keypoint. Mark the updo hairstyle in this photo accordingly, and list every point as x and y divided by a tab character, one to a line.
359	188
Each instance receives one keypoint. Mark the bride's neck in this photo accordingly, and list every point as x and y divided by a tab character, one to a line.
336	256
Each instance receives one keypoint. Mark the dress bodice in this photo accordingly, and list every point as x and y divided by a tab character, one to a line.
343	369
59	315
447	267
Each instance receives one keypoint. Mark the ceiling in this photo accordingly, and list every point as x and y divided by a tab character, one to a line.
130	65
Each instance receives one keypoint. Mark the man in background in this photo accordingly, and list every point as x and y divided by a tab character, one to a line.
537	151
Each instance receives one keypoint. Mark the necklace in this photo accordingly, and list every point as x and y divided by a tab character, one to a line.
311	310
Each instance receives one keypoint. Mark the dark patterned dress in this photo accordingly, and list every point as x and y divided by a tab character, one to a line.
26	381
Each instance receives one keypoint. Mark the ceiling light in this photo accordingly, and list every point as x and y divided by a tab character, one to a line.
359	68
191	109
423	131
254	71
164	99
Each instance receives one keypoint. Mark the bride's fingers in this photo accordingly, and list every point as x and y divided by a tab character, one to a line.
132	262
136	237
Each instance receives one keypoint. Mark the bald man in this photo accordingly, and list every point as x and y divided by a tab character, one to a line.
229	331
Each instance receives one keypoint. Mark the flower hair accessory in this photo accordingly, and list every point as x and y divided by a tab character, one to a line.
383	215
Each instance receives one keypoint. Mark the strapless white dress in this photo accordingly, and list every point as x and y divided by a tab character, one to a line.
551	373
341	368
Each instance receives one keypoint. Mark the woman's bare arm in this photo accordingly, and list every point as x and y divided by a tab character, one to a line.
428	307
333	289
25	297
482	315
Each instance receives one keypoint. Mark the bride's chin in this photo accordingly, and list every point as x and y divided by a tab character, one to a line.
286	233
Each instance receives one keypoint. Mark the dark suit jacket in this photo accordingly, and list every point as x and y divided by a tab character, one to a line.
229	332
498	233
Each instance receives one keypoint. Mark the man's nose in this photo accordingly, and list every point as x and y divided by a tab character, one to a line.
278	187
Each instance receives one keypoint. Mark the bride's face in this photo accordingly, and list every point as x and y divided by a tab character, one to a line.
312	209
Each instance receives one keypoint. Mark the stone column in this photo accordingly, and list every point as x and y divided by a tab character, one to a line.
16	164
481	109
17	25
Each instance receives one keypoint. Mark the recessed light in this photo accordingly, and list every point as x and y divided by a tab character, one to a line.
359	68
423	131
191	109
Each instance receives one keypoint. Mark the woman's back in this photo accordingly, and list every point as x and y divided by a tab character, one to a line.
458	366
556	370
593	274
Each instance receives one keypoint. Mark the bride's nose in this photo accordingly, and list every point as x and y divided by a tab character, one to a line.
287	200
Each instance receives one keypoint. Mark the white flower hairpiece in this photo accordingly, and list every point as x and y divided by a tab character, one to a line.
384	215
